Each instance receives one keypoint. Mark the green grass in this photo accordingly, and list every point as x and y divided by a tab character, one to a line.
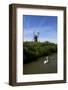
33	50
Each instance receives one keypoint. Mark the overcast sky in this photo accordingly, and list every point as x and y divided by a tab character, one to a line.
45	25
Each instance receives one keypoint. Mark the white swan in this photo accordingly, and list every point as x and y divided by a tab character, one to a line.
46	61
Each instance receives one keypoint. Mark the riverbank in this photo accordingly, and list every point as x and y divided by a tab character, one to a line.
34	50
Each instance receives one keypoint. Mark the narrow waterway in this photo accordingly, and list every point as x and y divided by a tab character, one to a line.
39	67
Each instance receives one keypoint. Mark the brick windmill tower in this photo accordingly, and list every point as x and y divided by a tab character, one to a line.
36	36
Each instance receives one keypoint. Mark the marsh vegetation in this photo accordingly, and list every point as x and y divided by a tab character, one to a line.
34	50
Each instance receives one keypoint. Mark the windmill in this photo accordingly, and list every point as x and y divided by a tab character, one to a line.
35	36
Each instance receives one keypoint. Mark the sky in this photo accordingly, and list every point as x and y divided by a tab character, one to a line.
45	25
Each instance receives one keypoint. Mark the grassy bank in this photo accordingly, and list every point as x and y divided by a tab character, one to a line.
34	50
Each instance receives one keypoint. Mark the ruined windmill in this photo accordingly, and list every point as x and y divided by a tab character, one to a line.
36	36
